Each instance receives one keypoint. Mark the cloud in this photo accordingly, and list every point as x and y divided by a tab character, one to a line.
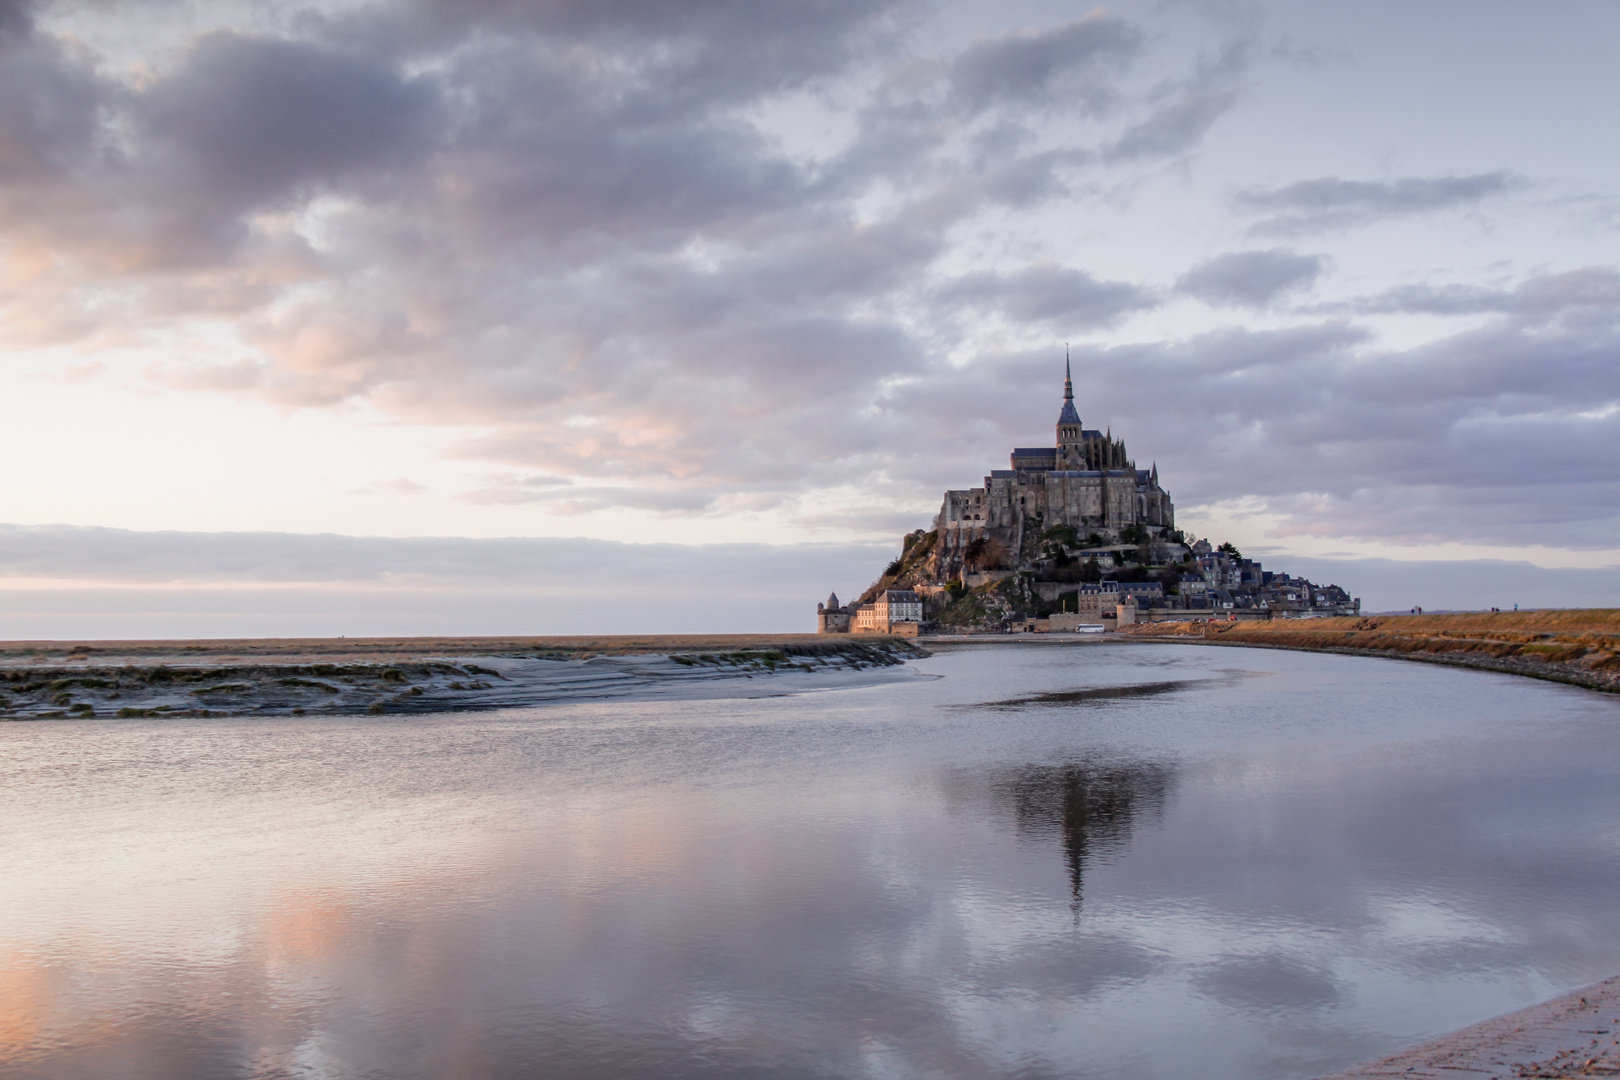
1594	289
1250	278
68	581
600	242
1502	434
123	556
1314	206
1049	293
1185	110
565	227
1059	65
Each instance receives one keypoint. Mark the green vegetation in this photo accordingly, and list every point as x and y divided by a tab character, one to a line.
311	683
88	684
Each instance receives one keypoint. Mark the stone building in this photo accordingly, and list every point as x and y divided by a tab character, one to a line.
892	611
831	618
1087	481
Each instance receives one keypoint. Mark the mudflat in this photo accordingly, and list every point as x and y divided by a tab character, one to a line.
392	648
323	676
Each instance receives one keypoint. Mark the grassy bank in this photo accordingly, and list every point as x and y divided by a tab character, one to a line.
1580	647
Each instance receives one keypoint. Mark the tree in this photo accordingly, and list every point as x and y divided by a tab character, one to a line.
984	554
1229	548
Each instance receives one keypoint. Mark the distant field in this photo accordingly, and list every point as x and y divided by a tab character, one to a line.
1578	646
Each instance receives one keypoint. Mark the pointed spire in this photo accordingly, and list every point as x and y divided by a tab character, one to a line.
1068	415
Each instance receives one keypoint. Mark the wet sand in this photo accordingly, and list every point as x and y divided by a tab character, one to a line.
1574	1035
61	680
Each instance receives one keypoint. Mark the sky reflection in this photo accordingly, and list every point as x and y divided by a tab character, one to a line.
1261	877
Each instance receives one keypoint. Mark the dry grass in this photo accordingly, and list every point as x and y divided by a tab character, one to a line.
1578	646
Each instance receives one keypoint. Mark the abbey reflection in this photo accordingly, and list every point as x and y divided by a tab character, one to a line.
1090	808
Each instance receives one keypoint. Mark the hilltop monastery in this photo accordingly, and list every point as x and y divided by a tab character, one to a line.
1071	534
1086	481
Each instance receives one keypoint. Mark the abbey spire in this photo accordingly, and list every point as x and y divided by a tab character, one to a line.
1071	452
1068	415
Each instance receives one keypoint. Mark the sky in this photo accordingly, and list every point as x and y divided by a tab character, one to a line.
460	316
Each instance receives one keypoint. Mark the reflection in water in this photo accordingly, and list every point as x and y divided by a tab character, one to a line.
1090	808
1285	874
1094	694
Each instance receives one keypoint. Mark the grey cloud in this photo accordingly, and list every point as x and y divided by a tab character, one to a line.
1185	112
1050	293
255	118
564	229
1501	434
122	556
50	100
1250	278
585	500
179	584
1596	288
687	55
16	19
1046	66
1312	206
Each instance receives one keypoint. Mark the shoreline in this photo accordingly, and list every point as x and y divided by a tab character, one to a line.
1575	1034
386	676
1575	647
1547	672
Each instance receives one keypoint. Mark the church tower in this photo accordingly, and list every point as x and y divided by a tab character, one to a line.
1071	451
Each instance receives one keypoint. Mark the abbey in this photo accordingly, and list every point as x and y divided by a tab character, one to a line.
1086	482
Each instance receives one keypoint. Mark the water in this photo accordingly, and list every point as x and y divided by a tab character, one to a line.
1227	863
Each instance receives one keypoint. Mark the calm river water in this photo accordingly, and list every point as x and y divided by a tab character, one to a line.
1103	861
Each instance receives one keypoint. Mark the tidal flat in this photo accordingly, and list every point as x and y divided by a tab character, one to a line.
1121	860
125	680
